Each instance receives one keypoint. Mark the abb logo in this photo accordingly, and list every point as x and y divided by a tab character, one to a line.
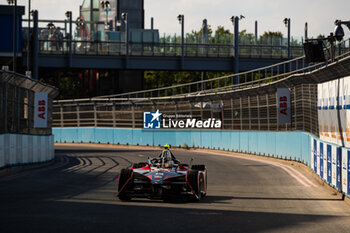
40	110
283	105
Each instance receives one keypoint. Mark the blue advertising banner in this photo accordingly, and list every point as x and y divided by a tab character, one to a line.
348	174
321	160
315	156
338	168
329	164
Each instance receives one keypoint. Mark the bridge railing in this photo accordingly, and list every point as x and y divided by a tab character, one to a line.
257	77
87	47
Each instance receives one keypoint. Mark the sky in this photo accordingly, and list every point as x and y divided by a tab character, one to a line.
320	14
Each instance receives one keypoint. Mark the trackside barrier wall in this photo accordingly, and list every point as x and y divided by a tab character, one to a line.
20	149
321	157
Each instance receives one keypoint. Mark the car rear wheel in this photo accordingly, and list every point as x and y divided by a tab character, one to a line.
193	178
123	184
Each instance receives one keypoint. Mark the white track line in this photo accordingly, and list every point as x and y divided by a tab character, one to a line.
303	180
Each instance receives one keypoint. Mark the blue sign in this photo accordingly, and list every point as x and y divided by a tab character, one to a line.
338	168
348	174
315	156
321	159
151	120
329	164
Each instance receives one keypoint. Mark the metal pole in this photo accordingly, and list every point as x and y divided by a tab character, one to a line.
70	40
152	23
28	37
236	59
91	17
35	45
14	68
182	42
126	41
256	32
288	38
305	31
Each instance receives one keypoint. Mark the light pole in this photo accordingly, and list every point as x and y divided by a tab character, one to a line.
124	17
235	20
107	8
69	16
28	38
14	59
181	20
286	22
305	31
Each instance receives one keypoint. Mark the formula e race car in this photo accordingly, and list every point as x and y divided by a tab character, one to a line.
163	177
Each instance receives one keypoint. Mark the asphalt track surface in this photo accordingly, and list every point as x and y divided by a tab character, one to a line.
77	194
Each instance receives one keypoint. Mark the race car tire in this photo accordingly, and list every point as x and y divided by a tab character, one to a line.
124	176
193	178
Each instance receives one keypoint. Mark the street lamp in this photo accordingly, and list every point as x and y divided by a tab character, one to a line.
69	17
286	22
107	8
235	20
181	19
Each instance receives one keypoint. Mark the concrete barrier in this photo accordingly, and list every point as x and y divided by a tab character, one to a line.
20	149
288	145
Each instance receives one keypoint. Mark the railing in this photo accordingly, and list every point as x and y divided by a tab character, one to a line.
111	48
249	79
253	111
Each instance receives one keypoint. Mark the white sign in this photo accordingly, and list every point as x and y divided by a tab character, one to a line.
283	101
40	110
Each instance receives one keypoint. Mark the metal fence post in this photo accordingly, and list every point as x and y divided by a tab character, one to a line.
61	115
232	114
295	109
4	107
258	107
78	115
114	115
276	112
268	111
240	113
95	115
133	115
249	113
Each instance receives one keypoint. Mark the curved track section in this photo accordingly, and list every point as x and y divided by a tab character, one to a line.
245	194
